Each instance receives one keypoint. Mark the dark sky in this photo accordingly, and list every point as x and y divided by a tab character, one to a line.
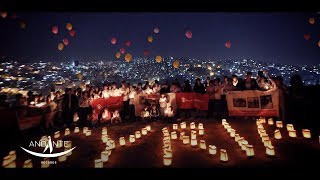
262	36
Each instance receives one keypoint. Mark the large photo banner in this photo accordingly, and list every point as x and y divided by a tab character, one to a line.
253	103
112	103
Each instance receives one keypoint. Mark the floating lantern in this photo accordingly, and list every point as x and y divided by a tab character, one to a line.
290	127
176	64
223	121
277	134
200	126
174	135
76	129
104	156
232	133
223	155
192	125
88	132
270	121
132	139
45	163
292	133
168	153
144	131
98	163
122	141
183	125
57	134
212	149
201	132
13	155
84	130
138	134
167	160
175	126
263	138
267	142
249	150
150	39
67	132
203	144
243	144
62	158
279	124
194	142
181	135
306	133
186	139
148	128
270	151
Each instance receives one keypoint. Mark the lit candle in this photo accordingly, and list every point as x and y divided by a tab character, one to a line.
104	138
122	141
66	131
192	125
183	125
194	142
13	155
279	124
168	153
290	127
263	133
108	151
292	133
174	135
112	144
260	125
270	150
193	134
148	128
167	160
277	134
201	131
226	125
212	149
249	150
203	144
62	158
104	156
138	134
27	164
306	133
181	135
84	130
144	131
270	121
232	133
240	140
98	163
175	126
263	138
186	140
223	155
243	144
104	132
223	121
76	129
200	126
132	139
45	163
88	132
267	142
236	137
56	134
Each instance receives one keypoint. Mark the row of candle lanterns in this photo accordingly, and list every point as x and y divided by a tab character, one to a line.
265	137
167	150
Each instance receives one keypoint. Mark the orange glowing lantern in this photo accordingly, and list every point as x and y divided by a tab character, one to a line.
104	156
3	14
183	125
292	133
144	131
167	160
227	44
192	125
150	39
186	140
118	55
174	135
270	121
76	129
122	141
181	135
158	59
60	46
223	155
66	131
98	163
72	33
69	26
128	57
88	132
306	133
307	36
270	151
312	20
262	120
279	124
277	134
212	149
57	134
249	150
175	126
194	142
240	141
203	144
176	64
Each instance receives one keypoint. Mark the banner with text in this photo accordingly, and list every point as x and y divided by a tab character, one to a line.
112	103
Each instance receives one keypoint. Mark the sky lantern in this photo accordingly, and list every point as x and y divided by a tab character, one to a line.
118	55
312	20
55	30
65	41
69	26
319	43
176	64
227	44
306	36
113	41
156	30
122	51
150	39
189	34
128	57
72	33
3	14
158	59
128	43
60	46
146	52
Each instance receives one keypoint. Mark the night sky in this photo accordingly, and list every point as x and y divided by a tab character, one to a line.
270	37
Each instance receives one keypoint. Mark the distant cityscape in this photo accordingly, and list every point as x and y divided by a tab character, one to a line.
41	76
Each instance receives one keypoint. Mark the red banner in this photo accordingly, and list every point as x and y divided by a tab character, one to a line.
112	103
192	101
201	101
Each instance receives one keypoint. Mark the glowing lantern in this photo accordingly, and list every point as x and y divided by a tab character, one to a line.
212	149
104	132
290	127
56	134
262	120
236	137
226	125
186	140
267	142
223	121
188	34
270	121
105	138
168	152
45	163
192	125
228	44
113	41
62	158
201	132
263	133
72	33
128	57
144	131
306	133
249	150
112	144
84	130
146	52
69	26
232	133
158	59
98	163
88	132
55	30
127	43
312	20
66	131
138	134
200	126
203	144
167	160
277	134
183	125
150	39
270	151
223	155
3	14
193	134
13	155
181	135
258	121
122	141
194	142
279	124
132	139
76	129
292	133
104	156
156	30
263	138
118	55
229	129
306	36
240	141
65	41
60	46
243	144
175	126
176	64
148	128
122	51
174	135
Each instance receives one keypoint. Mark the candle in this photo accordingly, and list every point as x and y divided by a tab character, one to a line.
62	158
27	164
104	132
264	138
148	128
76	129
306	133
192	125
175	126
260	125
183	125
181	135
203	144
132	139
290	127
56	134
226	125
240	140
229	129
167	160
270	121
243	144
270	150
174	135
104	138
168	153
98	163
267	142
138	134
201	131
104	156
223	155
45	163
279	124
200	126
292	133
88	132
223	121
236	137
212	149
66	131
193	134
249	150
232	133
122	141
186	140
194	142
144	131
277	134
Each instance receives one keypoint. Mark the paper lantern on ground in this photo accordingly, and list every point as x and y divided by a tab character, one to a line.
118	55
112	144
306	36
279	124
122	141
262	120
200	126
183	125
212	149
45	163
104	156
192	125
229	129
186	140
290	127
13	155
76	129
156	30
277	134
167	160
60	46
306	133
223	121
201	132
240	140
174	135
150	39
232	133
158	59
270	121
148	128
267	142
194	142
270	151
105	138
260	125
132	139
236	137
175	126
168	152
98	163
66	131
59	144
249	150
65	41
223	155
188	34
62	158
128	57
226	125
193	134
57	134
228	44
243	144
88	132
263	138
181	135
69	26
292	133
72	33
312	20
176	64
203	144
55	29
144	131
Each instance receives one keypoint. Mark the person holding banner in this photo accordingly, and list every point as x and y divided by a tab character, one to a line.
132	94
249	83
125	93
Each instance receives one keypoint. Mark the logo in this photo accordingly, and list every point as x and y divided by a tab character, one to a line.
48	146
